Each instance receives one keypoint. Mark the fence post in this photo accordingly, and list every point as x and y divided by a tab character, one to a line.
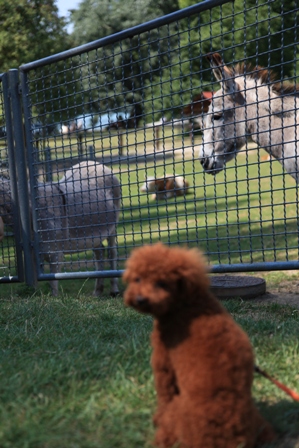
21	168
13	177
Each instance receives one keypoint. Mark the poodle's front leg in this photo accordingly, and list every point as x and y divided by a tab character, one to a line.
164	376
167	434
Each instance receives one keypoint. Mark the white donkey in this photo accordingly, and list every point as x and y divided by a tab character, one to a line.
76	214
250	105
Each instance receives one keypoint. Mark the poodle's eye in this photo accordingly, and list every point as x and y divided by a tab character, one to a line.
137	279
161	284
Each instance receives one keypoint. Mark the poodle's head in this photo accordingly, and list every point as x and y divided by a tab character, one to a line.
162	279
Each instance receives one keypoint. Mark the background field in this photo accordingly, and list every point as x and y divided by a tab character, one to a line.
246	214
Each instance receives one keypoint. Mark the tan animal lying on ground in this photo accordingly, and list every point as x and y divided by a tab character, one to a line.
1	229
166	187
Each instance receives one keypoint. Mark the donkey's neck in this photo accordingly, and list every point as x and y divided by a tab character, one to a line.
273	125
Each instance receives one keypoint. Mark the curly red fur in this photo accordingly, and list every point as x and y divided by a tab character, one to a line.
202	360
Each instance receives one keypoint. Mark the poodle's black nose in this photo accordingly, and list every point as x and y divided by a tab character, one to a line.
141	301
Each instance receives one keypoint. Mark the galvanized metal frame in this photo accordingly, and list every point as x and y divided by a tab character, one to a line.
21	172
7	94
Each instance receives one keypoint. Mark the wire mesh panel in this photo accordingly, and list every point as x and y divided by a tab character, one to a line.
158	108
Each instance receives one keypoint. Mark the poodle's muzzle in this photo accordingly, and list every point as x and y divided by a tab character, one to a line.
141	303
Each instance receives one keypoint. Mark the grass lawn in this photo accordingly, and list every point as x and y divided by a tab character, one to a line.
75	370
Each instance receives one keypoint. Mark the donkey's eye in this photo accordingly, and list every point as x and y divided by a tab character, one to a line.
217	117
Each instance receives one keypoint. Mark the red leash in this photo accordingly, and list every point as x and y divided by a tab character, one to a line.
281	386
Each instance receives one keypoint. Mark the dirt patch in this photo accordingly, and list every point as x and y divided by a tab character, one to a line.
291	299
285	293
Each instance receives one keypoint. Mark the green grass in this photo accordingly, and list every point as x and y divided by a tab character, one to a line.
75	371
234	220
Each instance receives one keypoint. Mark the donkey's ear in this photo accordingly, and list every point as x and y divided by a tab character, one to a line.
222	73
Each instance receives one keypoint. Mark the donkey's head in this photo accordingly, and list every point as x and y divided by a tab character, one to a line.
224	125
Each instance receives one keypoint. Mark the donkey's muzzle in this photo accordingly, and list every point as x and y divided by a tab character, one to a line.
209	166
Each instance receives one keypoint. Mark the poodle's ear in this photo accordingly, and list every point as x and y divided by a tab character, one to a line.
126	276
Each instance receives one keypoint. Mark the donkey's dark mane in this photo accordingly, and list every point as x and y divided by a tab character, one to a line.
266	77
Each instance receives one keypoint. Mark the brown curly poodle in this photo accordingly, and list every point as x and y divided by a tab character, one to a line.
202	360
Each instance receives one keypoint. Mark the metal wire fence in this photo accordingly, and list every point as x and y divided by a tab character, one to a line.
135	102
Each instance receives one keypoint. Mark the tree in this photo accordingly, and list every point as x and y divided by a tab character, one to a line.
117	74
95	19
30	30
262	34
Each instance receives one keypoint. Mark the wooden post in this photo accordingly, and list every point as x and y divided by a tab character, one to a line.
191	133
92	154
79	140
157	138
48	165
120	142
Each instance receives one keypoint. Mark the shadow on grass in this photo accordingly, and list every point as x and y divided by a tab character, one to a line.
284	417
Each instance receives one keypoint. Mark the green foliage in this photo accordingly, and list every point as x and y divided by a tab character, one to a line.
159	71
96	19
260	33
117	73
29	30
32	30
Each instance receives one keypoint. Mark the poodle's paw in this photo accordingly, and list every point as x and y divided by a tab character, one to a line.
165	439
266	434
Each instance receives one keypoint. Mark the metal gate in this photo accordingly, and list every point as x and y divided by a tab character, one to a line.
134	101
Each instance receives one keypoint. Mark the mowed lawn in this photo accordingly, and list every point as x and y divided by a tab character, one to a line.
75	370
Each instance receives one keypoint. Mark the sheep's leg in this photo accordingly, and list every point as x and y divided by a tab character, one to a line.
112	255
54	260
99	283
